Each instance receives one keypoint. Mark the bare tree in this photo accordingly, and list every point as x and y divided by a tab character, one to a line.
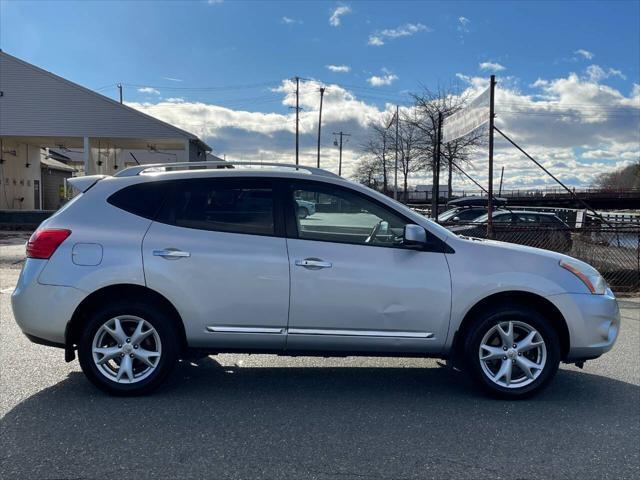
368	172
377	149
625	178
417	130
411	158
430	104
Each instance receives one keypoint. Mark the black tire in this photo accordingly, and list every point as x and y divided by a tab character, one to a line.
304	212
163	323
517	313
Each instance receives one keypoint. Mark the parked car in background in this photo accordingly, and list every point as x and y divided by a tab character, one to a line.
305	208
461	215
524	227
467	209
141	269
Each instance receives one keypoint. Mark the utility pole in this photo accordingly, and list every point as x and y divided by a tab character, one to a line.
501	177
436	171
297	120
342	134
490	187
450	178
320	123
120	91
395	181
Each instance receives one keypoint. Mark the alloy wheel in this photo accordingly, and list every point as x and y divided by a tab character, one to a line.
126	349
512	354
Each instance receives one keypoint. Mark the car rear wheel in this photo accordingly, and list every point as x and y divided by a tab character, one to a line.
512	352
128	348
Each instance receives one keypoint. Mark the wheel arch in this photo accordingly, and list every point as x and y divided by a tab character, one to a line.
119	291
513	297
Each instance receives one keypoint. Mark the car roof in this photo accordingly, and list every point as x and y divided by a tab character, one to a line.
218	166
528	212
476	201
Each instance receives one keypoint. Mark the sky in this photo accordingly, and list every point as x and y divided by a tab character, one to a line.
568	72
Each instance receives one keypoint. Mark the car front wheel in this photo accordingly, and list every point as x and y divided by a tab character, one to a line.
512	352
128	348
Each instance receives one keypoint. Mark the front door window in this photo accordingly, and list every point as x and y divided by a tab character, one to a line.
345	217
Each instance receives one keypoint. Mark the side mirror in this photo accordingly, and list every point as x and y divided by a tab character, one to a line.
414	236
455	219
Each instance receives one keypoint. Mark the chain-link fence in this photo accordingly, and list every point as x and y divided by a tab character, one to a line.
612	249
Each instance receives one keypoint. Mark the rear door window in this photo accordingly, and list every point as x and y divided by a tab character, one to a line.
222	205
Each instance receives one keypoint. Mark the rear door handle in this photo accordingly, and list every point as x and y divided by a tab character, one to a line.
171	253
313	263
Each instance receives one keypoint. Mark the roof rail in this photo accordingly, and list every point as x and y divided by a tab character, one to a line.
138	169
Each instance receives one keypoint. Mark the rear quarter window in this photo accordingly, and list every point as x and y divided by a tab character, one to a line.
142	199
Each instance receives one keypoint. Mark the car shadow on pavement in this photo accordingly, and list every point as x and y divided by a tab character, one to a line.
236	422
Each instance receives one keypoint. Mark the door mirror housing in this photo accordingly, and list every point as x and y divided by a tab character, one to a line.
455	219
414	236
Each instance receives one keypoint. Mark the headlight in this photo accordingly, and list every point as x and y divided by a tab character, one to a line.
589	276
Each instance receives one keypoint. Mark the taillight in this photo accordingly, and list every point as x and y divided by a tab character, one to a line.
43	243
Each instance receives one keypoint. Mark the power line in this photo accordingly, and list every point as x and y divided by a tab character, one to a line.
111	85
576	115
208	88
558	104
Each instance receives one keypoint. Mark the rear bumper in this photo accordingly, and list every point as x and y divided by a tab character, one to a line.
593	322
43	311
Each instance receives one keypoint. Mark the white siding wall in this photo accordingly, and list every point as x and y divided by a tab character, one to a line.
17	180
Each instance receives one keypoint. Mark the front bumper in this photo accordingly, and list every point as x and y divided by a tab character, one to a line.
593	322
43	311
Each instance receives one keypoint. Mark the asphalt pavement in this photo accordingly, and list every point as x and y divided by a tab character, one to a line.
254	417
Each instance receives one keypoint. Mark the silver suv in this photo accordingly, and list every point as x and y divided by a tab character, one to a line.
153	263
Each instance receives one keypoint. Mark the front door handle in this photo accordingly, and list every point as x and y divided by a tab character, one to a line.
171	253
313	263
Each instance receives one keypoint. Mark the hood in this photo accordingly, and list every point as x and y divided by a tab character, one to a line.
513	249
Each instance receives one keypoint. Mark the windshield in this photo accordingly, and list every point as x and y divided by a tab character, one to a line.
481	219
443	217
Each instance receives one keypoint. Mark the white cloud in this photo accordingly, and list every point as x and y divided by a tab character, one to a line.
613	72
492	66
334	19
339	68
405	30
149	90
382	80
586	54
463	24
573	125
595	73
246	135
172	79
290	21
